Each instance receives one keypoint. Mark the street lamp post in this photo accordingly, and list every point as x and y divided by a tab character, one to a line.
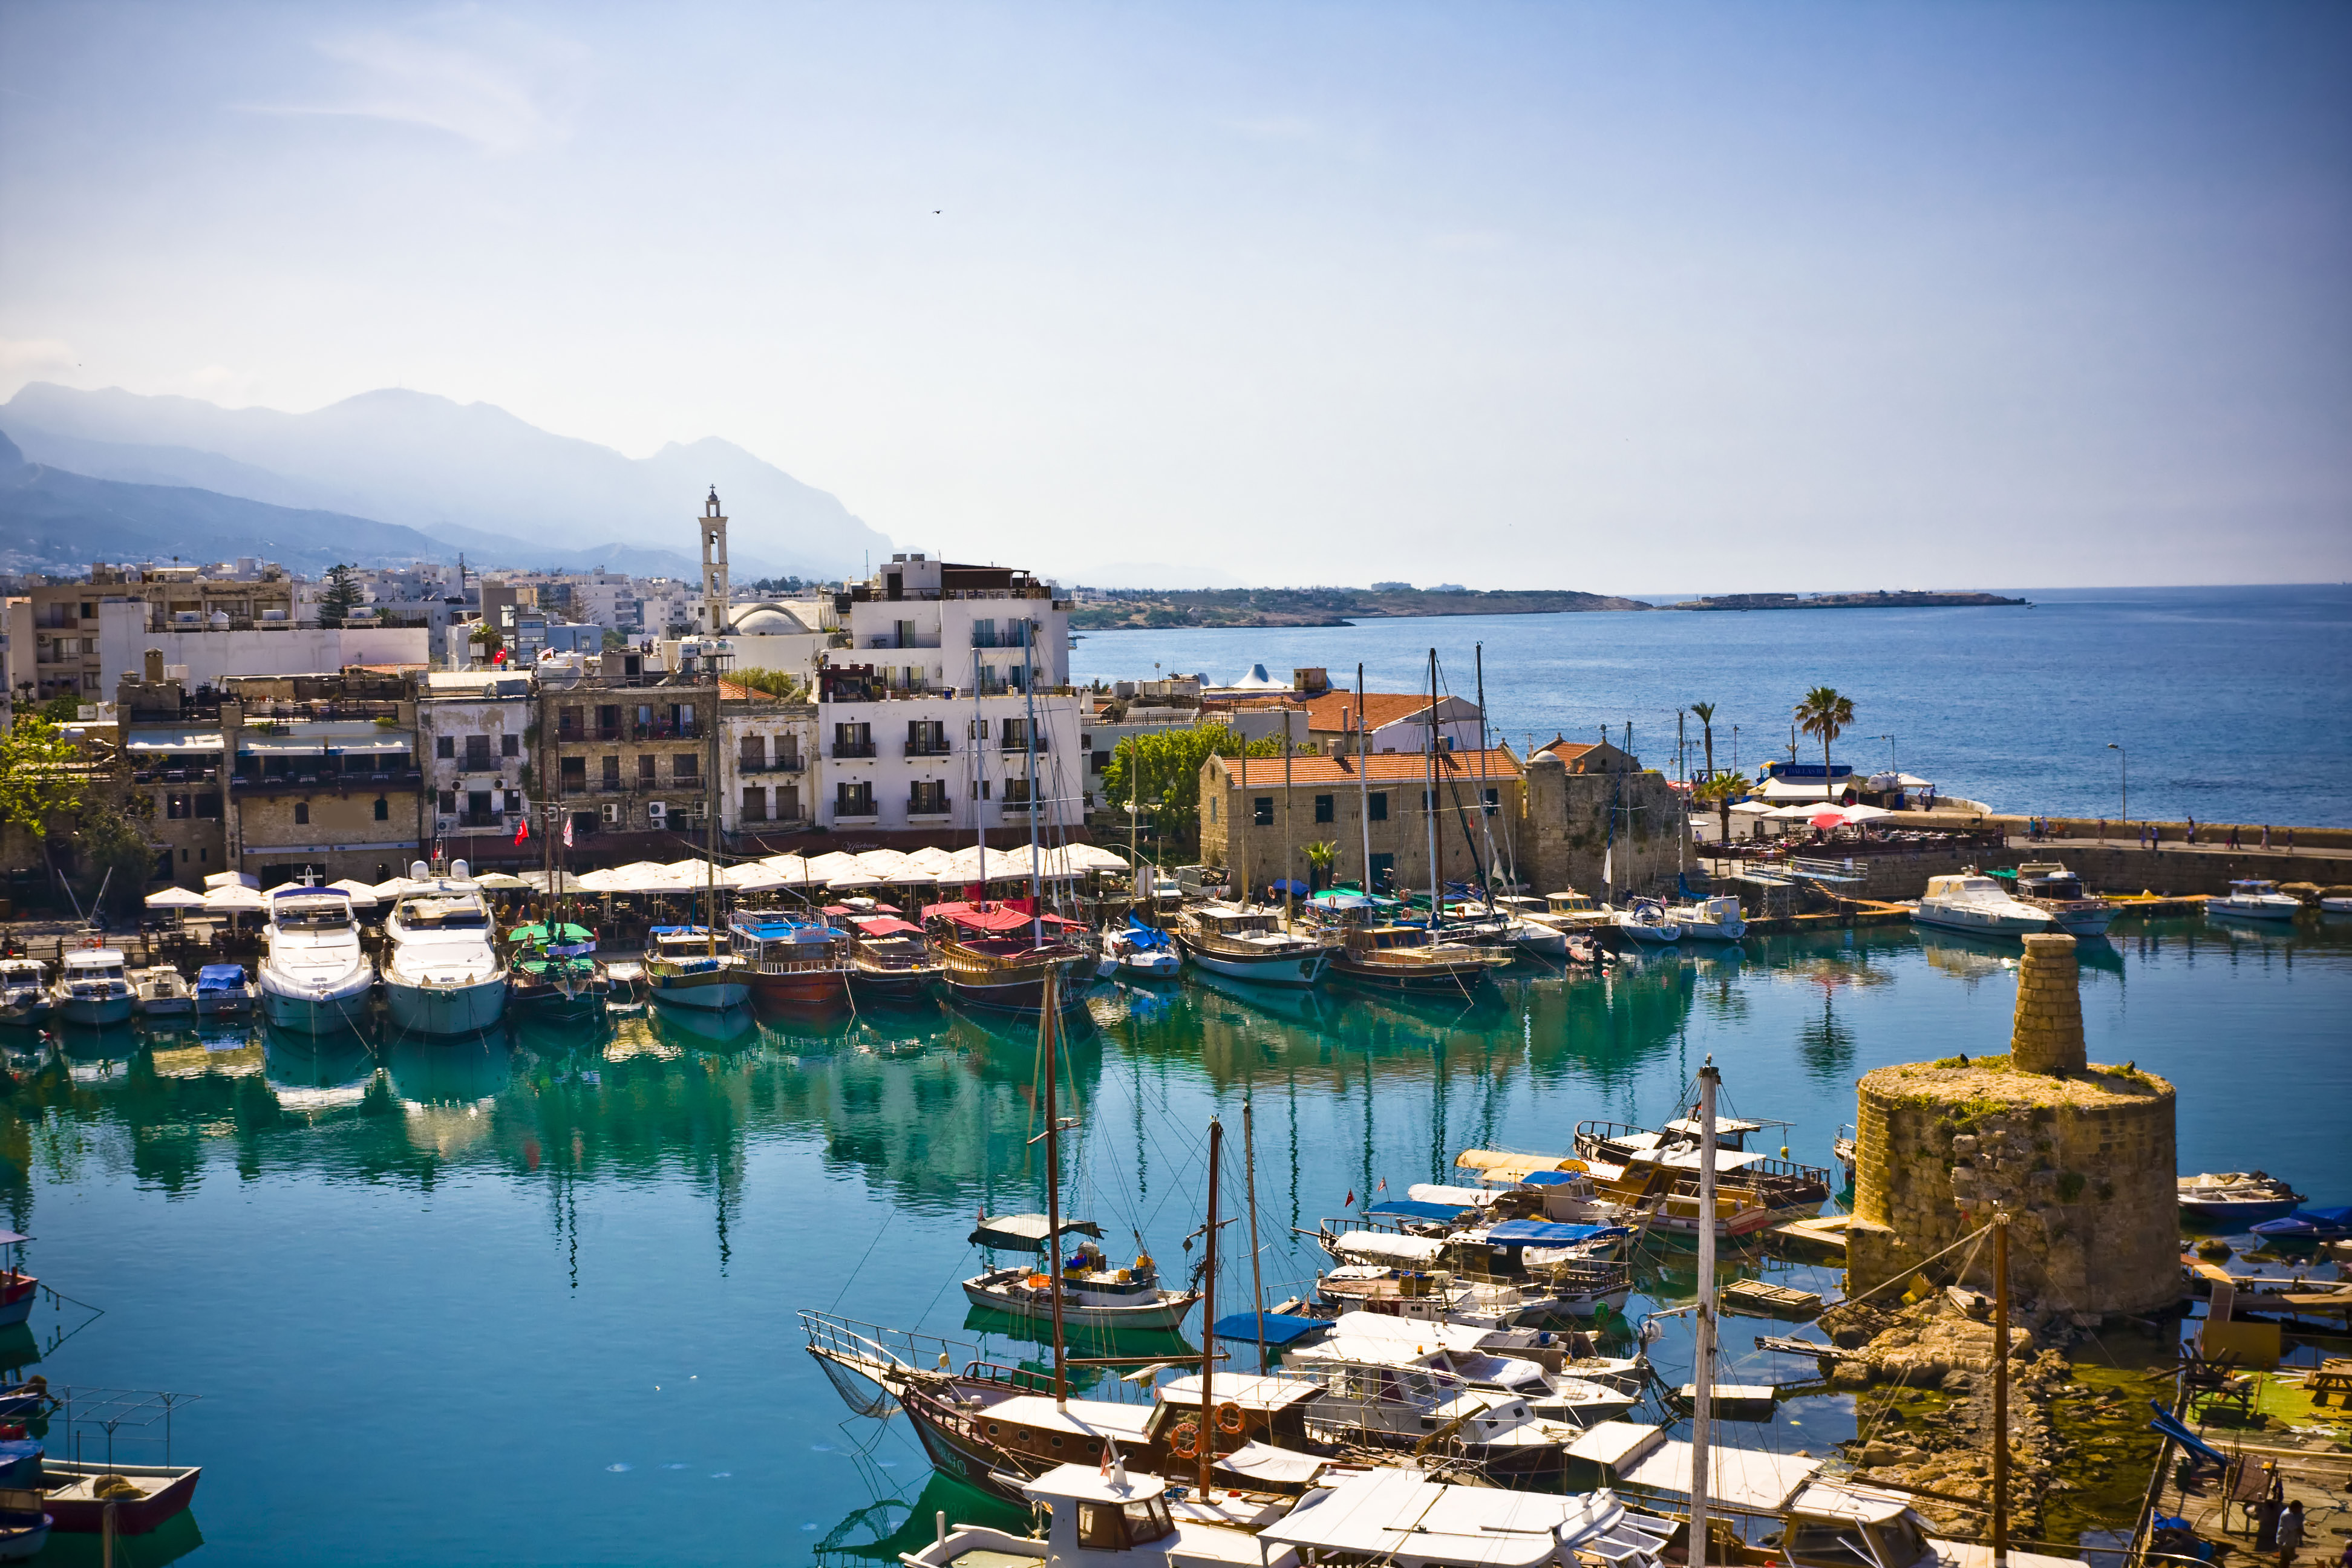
2122	761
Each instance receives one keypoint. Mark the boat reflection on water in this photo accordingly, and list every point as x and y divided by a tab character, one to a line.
887	1526
699	1028
96	1055
448	1072
1307	1007
310	1073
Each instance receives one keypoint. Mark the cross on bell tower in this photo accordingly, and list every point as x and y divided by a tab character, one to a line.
714	566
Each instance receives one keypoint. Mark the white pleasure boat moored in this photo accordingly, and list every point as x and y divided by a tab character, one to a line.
2253	898
442	975
1970	901
314	978
1717	918
92	989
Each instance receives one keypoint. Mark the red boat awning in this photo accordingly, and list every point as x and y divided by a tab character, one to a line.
992	917
885	925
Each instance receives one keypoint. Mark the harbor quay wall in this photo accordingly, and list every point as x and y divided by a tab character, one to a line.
2112	868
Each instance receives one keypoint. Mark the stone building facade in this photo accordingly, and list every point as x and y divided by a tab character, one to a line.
2082	1159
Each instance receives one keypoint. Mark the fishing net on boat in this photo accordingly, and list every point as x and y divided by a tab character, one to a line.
857	1390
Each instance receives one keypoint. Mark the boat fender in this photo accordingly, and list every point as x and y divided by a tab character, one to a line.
1229	1418
1126	1275
1142	1262
1039	1281
1184	1441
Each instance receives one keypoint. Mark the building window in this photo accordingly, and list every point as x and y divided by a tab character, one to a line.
928	797
1326	808
647	762
1016	792
302	814
684	767
444	747
612	772
449	802
977	729
383	813
1494	799
1262	811
177	806
1213	810
514	800
1380	804
477	753
208	806
755	803
1429	800
510	745
980	790
853	799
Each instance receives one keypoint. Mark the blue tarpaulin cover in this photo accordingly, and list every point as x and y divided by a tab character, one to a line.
2309	1224
1281	1327
220	977
1540	1233
1412	1208
1548	1178
2166	1423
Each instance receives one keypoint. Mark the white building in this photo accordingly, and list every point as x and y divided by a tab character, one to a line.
955	679
127	630
767	758
469	735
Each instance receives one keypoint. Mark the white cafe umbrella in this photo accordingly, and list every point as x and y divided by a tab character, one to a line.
752	877
175	899
500	881
243	879
1753	808
1865	813
930	857
364	895
825	868
233	900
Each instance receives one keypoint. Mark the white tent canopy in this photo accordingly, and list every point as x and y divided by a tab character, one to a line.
223	878
234	898
364	897
175	899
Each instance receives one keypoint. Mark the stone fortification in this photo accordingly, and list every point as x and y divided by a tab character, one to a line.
2081	1157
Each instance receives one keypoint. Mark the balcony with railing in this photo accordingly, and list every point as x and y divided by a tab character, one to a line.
481	819
789	762
665	730
1013	743
936	746
312	783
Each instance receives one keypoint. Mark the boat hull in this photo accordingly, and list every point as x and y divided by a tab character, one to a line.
426	1009
327	1012
1703	930
1648	935
801	990
2251	910
2216	1211
556	1005
25	1015
223	1003
17	1299
94	1012
704	991
893	985
1445	978
1159	1314
172	1489
1977	924
1297	970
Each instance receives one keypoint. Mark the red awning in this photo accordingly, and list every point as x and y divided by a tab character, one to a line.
883	925
1000	917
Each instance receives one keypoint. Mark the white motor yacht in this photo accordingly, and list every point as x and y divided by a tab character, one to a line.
23	992
443	975
163	993
92	988
314	978
1645	922
1967	900
1717	918
2252	899
1549	1396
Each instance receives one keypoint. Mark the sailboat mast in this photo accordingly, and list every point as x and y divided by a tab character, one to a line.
2000	1390
1363	779
710	813
1249	1179
1045	1050
1029	738
1207	1445
1429	793
1703	1362
1288	914
1486	823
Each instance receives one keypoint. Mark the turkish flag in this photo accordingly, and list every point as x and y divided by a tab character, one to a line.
522	828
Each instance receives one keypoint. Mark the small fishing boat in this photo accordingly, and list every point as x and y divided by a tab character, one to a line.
2335	905
687	969
1244	943
1550	1396
890	960
1140	952
1402	958
2308	1225
1715	919
24	999
552	971
2236	1199
794	965
163	993
1967	900
76	1495
314	977
1645	922
1846	1151
25	1524
2049	886
18	1290
92	988
2254	899
1799	1191
442	975
224	991
1095	1294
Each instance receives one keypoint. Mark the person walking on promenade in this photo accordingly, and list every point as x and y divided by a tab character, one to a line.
2192	831
2266	834
2234	836
2290	1533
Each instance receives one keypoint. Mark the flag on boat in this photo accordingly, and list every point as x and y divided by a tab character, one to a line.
1351	1199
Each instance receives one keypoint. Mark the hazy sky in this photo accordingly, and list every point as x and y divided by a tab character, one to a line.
1623	298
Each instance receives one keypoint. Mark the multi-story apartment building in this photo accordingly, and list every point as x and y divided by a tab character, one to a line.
322	776
608	599
767	754
623	754
171	749
946	683
471	729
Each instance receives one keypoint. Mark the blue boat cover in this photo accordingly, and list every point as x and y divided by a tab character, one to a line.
2170	1427
1548	1178
678	931
2308	1222
1281	1327
221	977
1541	1233
1413	1208
1145	936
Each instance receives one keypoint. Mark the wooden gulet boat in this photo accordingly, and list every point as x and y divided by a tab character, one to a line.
987	965
799	966
1244	944
677	975
553	972
1405	958
890	960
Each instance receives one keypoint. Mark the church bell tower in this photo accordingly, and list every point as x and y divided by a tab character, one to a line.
714	567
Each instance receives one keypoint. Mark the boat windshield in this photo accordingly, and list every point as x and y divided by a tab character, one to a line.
444	911
2253	889
314	914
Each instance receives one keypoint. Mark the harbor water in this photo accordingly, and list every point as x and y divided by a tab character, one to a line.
2229	703
532	1298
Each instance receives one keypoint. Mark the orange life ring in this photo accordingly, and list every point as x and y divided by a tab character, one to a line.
1184	1441
1229	1418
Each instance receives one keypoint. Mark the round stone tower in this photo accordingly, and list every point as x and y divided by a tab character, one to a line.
2081	1157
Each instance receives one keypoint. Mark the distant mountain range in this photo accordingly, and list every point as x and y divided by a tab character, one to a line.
389	468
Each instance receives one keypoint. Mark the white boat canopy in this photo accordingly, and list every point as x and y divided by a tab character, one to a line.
1415	1250
1504	1166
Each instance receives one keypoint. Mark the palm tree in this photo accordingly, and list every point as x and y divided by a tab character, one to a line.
1719	790
1706	712
1320	858
1826	714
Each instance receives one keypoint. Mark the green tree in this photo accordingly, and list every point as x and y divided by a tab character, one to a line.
1828	715
341	597
615	642
40	775
1319	859
1167	765
108	842
1719	790
1705	715
487	638
774	682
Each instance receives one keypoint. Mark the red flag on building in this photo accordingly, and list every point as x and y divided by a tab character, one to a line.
522	828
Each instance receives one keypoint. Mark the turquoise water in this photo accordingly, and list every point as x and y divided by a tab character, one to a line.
2232	704
532	1299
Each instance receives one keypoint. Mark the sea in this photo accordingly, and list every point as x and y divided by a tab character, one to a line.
2223	704
536	1298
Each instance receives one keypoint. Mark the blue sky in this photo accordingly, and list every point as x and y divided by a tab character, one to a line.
1609	297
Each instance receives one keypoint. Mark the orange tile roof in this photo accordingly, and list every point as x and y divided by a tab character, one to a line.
1382	767
1567	750
1382	707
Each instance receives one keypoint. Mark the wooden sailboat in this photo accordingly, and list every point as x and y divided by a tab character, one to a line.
677	975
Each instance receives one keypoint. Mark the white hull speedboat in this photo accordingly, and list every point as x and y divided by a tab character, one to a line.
1646	923
1967	901
163	993
25	1000
443	976
1547	942
2336	906
1717	918
1027	1293
1151	955
314	979
2253	900
1287	968
92	989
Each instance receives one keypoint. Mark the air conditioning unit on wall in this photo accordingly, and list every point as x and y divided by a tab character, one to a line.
656	811
611	811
